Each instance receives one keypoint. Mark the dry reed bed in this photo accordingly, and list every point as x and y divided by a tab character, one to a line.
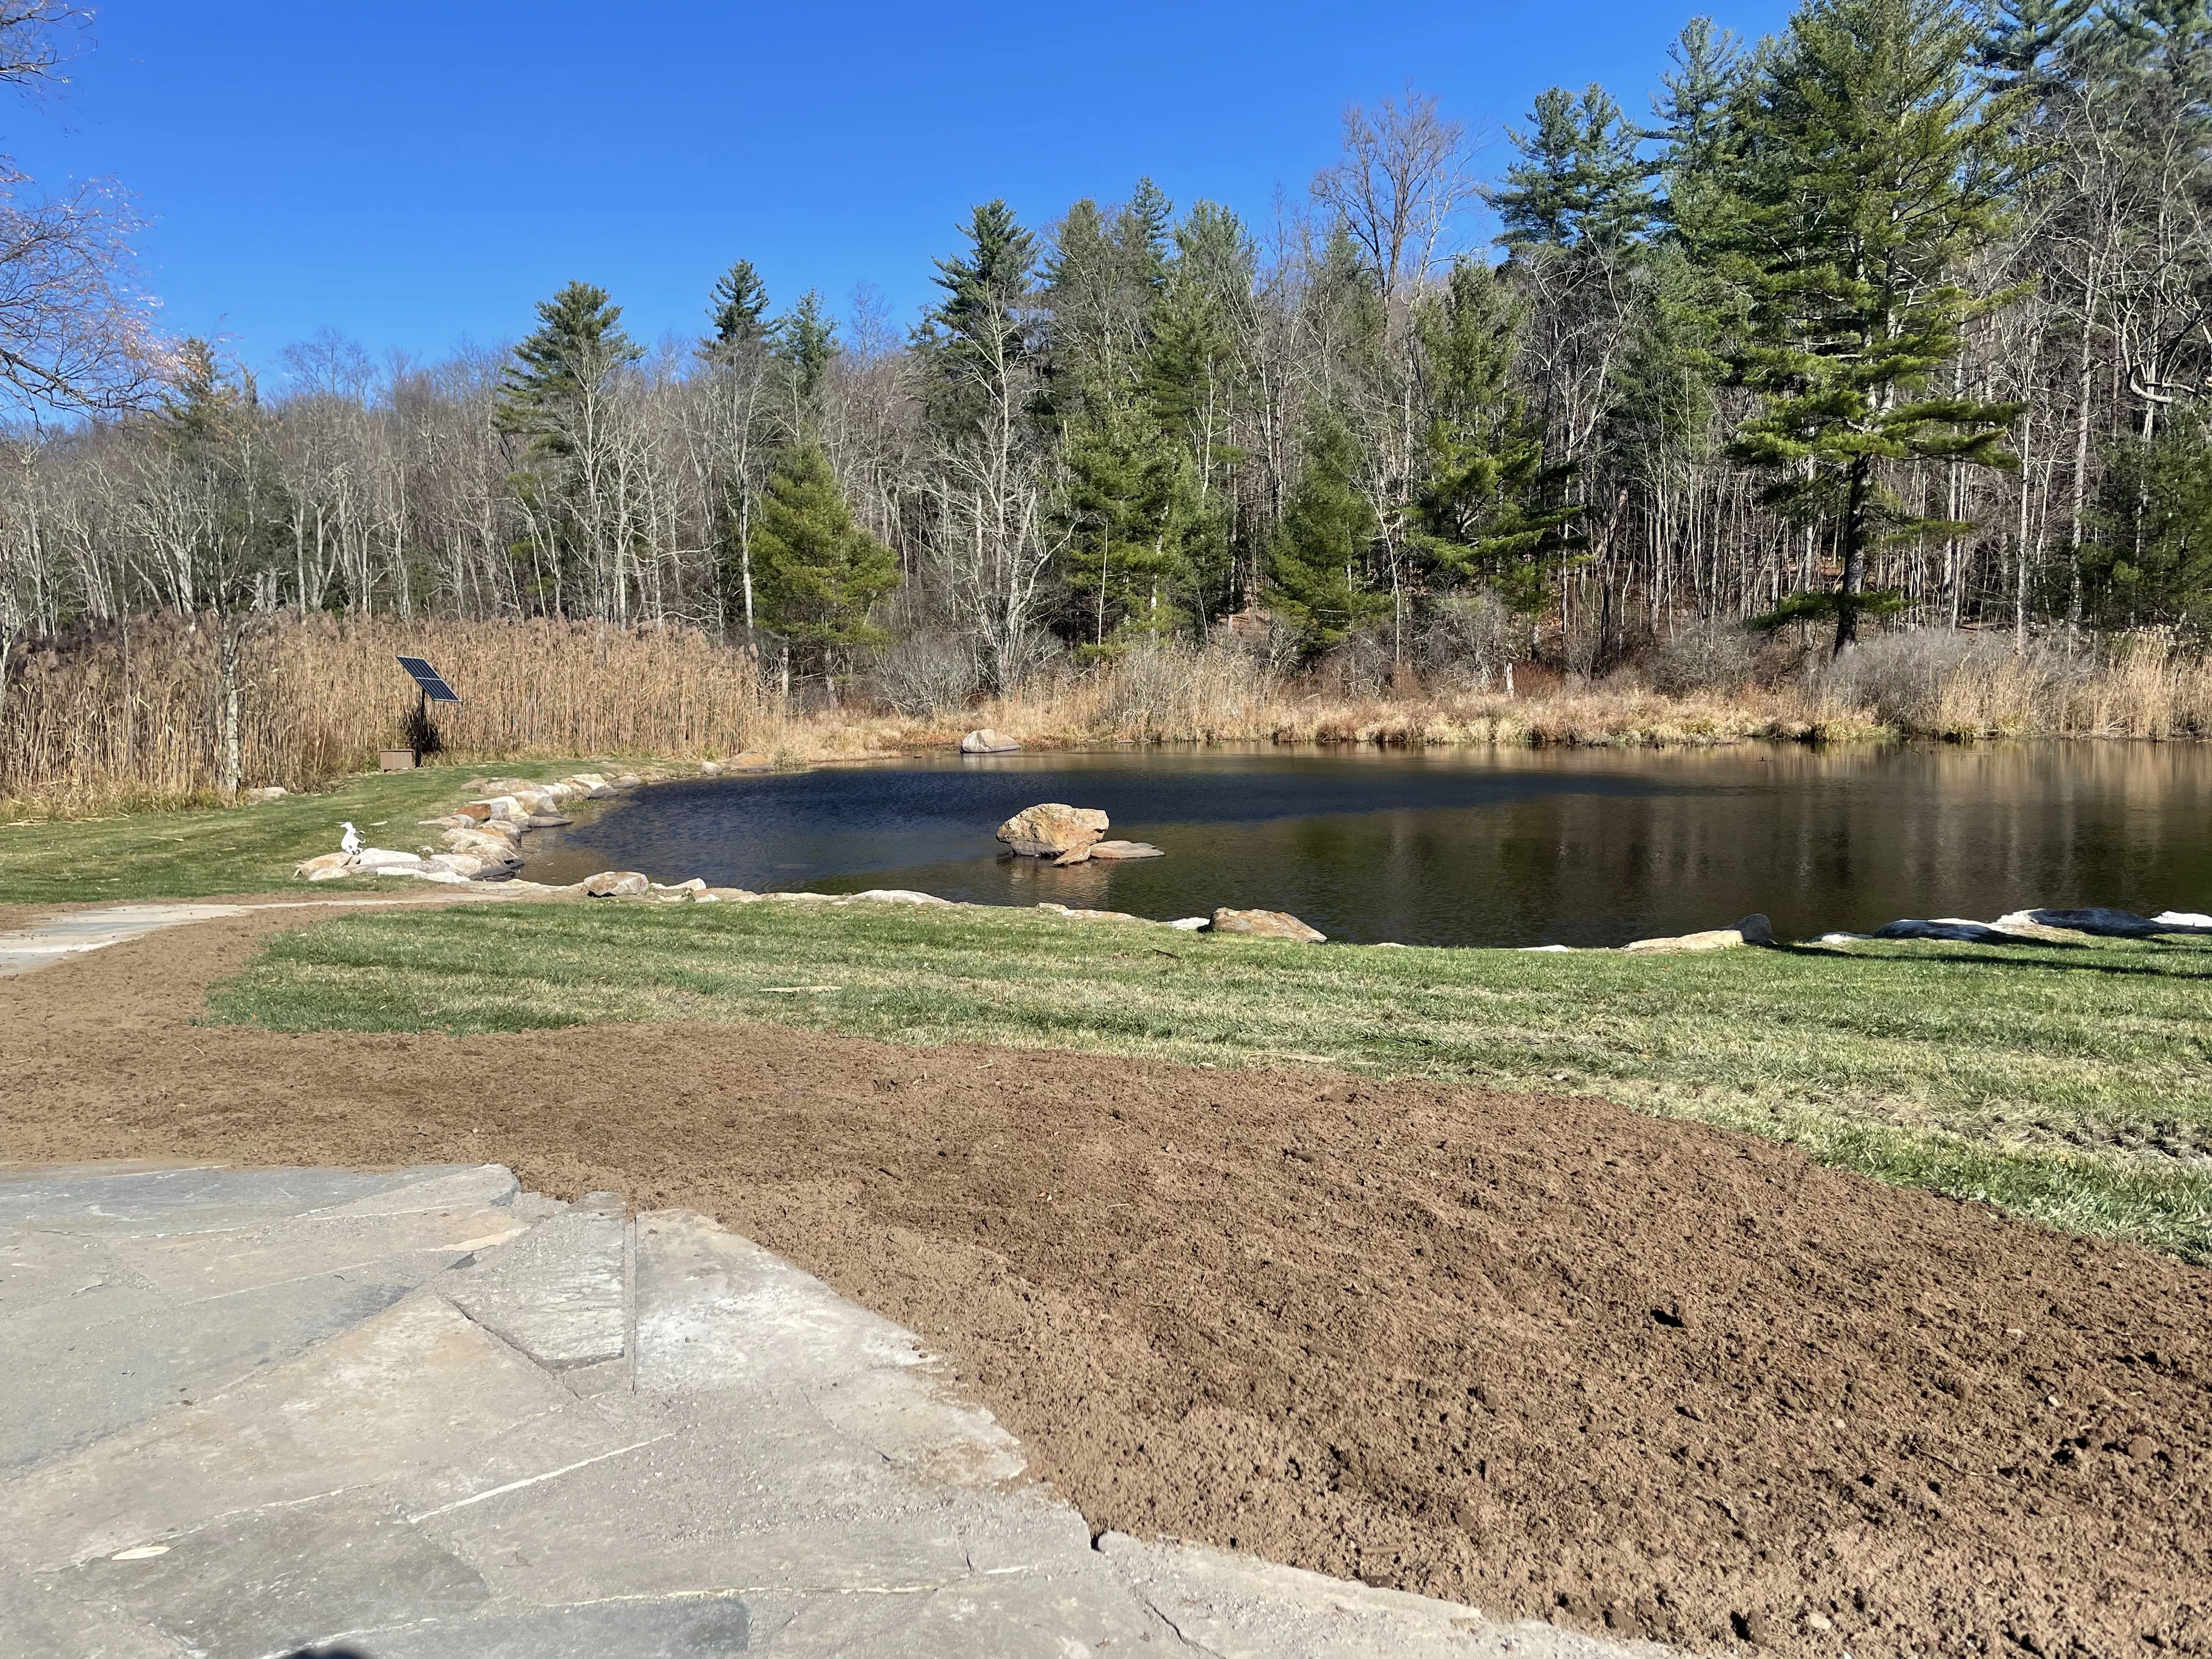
92	724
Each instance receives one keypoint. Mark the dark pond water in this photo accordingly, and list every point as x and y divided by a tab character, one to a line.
1468	847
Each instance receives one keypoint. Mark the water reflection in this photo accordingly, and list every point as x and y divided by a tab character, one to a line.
1512	846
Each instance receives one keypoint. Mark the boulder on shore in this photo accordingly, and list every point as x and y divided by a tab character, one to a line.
985	741
1046	832
385	858
1751	930
1265	924
618	884
324	867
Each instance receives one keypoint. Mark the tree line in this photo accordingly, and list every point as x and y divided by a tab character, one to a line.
1902	317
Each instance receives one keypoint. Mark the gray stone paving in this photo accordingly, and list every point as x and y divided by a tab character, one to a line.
257	1414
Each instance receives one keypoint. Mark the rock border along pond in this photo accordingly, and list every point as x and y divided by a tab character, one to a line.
482	839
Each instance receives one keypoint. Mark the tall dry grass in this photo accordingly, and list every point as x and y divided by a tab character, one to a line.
98	724
1982	685
88	726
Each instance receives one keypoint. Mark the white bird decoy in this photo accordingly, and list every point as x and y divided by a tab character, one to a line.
350	844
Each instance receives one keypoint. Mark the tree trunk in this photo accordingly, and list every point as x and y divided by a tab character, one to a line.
1855	541
227	655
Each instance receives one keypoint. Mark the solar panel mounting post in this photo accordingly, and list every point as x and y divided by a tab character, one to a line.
430	687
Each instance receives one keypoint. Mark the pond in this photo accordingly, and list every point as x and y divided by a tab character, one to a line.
1475	846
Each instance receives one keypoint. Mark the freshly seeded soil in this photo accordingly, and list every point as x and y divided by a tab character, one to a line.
1544	1356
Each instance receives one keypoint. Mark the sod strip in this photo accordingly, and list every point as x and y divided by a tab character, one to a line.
2070	1083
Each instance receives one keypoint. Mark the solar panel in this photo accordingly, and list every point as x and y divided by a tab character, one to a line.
433	683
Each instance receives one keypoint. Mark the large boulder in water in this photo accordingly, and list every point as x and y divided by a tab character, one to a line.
1047	831
985	741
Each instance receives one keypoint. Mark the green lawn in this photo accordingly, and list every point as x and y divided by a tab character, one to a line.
2070	1083
243	849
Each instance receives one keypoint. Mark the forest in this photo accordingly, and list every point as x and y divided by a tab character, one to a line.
1900	320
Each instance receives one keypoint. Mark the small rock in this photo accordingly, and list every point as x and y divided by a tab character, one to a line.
1756	930
730	895
1125	850
546	821
1819	1621
710	768
1192	924
2142	1448
478	809
271	791
334	872
1264	924
618	884
1046	832
902	895
2183	919
321	861
985	741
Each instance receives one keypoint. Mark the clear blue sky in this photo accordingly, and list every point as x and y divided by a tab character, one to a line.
416	174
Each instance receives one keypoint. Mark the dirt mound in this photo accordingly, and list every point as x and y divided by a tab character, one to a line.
1544	1356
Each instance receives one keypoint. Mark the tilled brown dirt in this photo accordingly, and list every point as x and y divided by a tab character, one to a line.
1544	1356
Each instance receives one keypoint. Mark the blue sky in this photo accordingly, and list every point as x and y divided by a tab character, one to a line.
415	175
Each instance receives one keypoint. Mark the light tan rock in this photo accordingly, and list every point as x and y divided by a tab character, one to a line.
1090	916
1264	924
730	896
335	872
618	884
1751	930
307	867
1073	855
751	761
1046	832
479	811
985	741
1125	850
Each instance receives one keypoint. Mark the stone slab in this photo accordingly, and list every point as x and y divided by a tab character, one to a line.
121	1352
717	1311
1238	1606
416	1384
273	1580
555	1293
1072	1614
696	1627
196	1266
39	1620
154	1202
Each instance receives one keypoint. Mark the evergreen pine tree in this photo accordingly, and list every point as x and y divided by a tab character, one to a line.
1316	562
1869	167
979	336
577	342
2151	562
736	308
1579	182
1491	511
817	571
803	341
